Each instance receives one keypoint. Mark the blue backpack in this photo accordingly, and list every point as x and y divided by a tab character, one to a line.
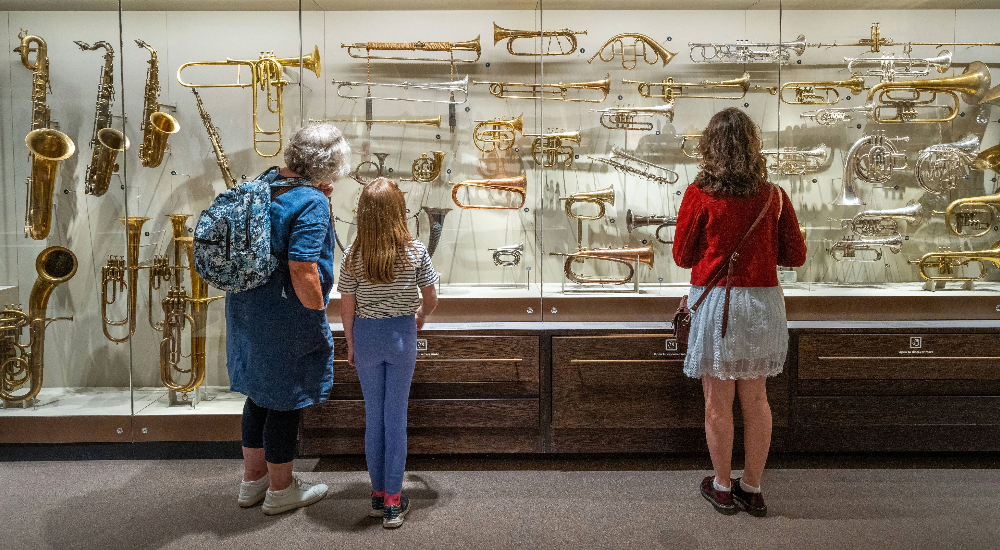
232	240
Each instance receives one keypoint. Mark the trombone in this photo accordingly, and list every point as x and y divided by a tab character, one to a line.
945	262
820	93
600	197
497	134
624	118
449	47
972	84
517	185
548	149
267	78
672	90
962	213
641	46
627	256
746	51
846	249
889	67
500	33
940	166
633	221
552	92
460	87
622	166
436	122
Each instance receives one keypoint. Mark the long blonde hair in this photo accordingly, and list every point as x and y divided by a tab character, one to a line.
383	239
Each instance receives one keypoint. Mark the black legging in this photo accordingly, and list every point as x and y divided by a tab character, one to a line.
276	432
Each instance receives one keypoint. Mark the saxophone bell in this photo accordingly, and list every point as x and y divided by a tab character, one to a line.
47	149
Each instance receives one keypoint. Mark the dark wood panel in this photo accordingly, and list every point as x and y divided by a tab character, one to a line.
433	413
888	410
896	439
427	441
898	387
656	440
184	427
472	310
463	390
65	429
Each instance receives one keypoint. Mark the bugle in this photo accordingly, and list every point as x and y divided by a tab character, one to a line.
627	256
548	149
747	51
671	90
847	249
619	161
459	87
600	197
873	223
633	221
497	134
552	92
641	46
889	67
517	185
792	161
967	212
624	118
448	48
940	166
820	93
945	262
507	256
905	99
510	35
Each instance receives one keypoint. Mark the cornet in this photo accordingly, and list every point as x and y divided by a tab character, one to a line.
507	256
890	68
460	87
790	161
447	47
745	51
552	92
905	101
669	176
500	33
672	90
379	169
548	150
820	93
426	169
945	262
624	118
633	221
497	134
874	223
517	185
962	213
601	197
626	256
939	167
846	249
641	46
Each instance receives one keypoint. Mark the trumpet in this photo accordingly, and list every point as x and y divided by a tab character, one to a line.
820	93
436	122
669	176
633	221
600	197
945	262
500	33
746	51
624	118
113	280
460	87
831	116
266	77
379	169
426	169
889	67
972	84
846	249
517	185
641	46
791	161
627	256
548	150
552	92
497	134
156	125
872	223
939	167
962	213
447	47
672	90
507	256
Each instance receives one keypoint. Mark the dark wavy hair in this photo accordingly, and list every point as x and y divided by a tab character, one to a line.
731	159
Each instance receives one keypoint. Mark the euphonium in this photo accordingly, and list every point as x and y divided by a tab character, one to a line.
600	197
745	51
965	212
619	161
633	221
500	33
846	249
791	161
939	167
22	363
671	90
106	141
507	256
517	185
627	256
548	149
448	47
945	262
267	77
379	168
426	169
156	125
553	92
972	84
624	118
213	137
889	67
641	46
873	223
497	134
113	275
820	93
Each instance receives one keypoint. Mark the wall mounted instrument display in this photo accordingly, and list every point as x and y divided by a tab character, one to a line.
461	87
106	141
553	92
830	116
549	149
507	256
267	78
988	159
670	90
213	137
436	218
435	122
875	43
872	159
497	134
426	169
632	46
449	48
627	256
874	223
156	125
906	99
940	166
870	248
600	197
972	213
889	67
22	362
552	46
121	274
941	265
633	221
379	169
46	147
746	51
516	186
791	161
619	161
624	118
820	93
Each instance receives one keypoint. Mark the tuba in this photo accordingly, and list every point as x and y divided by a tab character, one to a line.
552	92
626	256
874	223
106	141
746	51
517	185
447	47
507	256
619	161
548	150
426	169
820	93
939	167
213	137
633	221
624	118
790	161
846	249
966	212
113	280
890	68
600	197
908	98
945	262
671	90
156	125
436	218
22	363
266	77
500	33
641	46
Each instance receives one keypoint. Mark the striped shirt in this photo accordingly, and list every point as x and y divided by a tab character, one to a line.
387	300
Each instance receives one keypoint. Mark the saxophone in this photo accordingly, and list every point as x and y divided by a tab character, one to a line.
106	141
156	125
213	136
46	147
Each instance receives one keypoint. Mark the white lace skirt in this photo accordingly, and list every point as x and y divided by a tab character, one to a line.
756	341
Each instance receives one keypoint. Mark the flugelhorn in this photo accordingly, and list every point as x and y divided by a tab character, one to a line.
945	262
600	197
497	134
553	92
619	161
379	168
448	48
641	46
747	51
435	122
873	223
22	363
460	87
507	256
548	149
671	90
517	185
846	249
500	33
966	212
820	93
156	125
939	167
633	221
627	256
972	84
426	169
266	77
122	275
889	67
624	118
791	161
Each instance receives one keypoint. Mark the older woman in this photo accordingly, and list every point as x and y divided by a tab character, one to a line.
278	343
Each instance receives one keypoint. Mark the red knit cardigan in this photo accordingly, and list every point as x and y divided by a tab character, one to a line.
708	229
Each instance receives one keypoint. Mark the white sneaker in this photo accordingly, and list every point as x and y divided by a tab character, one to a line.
296	495
252	492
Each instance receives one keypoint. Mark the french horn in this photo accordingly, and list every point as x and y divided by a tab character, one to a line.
820	93
600	197
510	35
747	51
516	186
507	256
847	249
633	221
629	257
874	223
942	265
621	158
907	99
624	118
631	46
426	169
670	90
446	50
549	149
889	67
497	134
940	166
551	92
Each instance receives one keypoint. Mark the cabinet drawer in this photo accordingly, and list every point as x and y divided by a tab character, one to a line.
433	413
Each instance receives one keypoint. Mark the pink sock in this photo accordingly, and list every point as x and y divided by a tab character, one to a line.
393	500
378	493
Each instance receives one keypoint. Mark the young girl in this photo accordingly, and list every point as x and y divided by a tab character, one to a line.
382	277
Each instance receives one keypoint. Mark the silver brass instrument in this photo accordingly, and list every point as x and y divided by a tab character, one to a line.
633	221
791	161
600	197
847	249
624	118
507	256
939	167
497	134
517	186
156	125
906	99
426	169
619	161
873	223
213	137
436	122
379	168
889	68
106	141
969	212
876	164
945	262
627	256
552	92
448	48
548	149
500	33
460	87
831	116
670	90
641	46
746	51
820	93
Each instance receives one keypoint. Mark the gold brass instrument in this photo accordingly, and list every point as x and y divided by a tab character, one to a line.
497	134
945	262
671	90
876	42
113	280
553	92
426	169
905	98
436	122
517	185
641	46
507	256
500	33
746	51
461	87
967	212
831	116
266	77
22	363
693	140
873	223
600	197
156	125
548	149
624	118
988	159
846	249
820	93
40	86
447	47
379	169
633	221
791	161
213	137
619	161
889	67
106	141
939	167
626	256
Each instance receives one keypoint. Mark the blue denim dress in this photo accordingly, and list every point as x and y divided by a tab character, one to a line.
279	353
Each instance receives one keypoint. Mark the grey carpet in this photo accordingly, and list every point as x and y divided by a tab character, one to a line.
190	504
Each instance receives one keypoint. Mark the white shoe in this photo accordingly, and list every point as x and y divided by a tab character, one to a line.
252	492
296	495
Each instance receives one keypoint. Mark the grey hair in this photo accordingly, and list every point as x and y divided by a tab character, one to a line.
319	153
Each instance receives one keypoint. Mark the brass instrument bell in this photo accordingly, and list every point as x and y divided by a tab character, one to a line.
47	148
600	197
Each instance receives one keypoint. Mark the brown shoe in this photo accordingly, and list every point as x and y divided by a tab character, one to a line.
753	503
722	501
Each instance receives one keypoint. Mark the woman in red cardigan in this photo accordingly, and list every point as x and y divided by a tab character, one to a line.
735	351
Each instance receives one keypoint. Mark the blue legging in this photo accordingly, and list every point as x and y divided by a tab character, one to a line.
385	354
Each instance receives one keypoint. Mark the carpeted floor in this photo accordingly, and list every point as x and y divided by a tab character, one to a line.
190	504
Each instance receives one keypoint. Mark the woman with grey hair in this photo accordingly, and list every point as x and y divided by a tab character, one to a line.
279	349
